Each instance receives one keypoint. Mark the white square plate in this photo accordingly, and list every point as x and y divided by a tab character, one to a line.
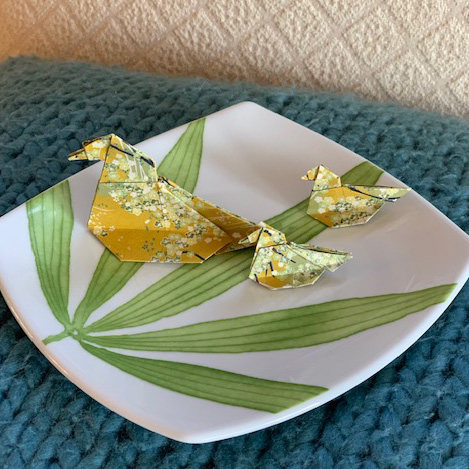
251	163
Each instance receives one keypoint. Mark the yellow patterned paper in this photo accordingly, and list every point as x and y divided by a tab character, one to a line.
337	205
142	217
278	263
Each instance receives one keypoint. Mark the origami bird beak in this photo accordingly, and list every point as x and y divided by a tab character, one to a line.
323	178
77	155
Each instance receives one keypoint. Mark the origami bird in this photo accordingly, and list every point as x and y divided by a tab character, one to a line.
143	217
336	204
279	263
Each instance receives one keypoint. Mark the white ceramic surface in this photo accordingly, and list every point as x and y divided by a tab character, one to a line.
251	164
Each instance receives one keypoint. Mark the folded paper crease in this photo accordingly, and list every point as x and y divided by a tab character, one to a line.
279	263
141	216
338	205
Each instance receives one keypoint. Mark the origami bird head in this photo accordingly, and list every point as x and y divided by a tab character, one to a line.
265	236
323	178
93	150
123	162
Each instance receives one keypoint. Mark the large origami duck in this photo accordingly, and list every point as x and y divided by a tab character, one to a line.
143	217
279	263
336	204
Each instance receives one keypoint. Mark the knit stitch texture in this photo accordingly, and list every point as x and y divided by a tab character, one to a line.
411	414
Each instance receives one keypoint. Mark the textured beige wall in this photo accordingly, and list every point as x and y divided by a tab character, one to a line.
414	52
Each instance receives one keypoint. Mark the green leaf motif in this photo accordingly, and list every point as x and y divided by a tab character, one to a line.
283	329
212	384
50	221
193	284
181	165
109	277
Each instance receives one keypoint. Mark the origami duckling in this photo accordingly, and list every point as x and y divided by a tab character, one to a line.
279	263
337	205
142	217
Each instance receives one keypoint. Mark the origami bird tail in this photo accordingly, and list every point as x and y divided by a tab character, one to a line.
329	259
323	178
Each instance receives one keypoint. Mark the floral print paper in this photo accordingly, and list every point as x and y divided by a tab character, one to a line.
143	217
278	263
337	205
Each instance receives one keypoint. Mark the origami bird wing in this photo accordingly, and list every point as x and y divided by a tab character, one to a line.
323	178
390	194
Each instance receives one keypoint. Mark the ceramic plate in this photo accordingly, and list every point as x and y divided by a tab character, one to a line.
198	352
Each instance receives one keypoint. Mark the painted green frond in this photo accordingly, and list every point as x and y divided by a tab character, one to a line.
109	277
193	284
185	287
181	165
50	221
283	329
211	384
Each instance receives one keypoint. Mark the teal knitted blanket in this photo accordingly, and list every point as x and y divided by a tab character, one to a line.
411	414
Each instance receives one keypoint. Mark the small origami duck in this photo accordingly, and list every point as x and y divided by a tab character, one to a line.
336	204
143	217
279	263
